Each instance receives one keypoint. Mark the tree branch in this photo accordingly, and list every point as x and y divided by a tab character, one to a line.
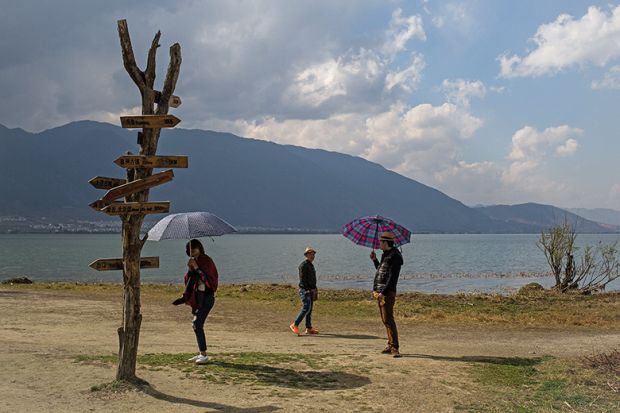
171	79
129	60
149	74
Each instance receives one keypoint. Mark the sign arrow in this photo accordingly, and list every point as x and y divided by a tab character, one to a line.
138	185
149	121
141	161
99	204
114	264
136	208
103	182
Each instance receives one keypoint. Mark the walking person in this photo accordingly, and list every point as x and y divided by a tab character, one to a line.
307	292
201	282
384	288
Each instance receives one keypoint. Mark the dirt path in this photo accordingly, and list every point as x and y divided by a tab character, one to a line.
42	334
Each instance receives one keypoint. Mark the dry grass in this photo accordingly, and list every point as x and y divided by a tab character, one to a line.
546	309
607	362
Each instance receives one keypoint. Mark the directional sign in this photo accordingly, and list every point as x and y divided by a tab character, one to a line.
150	121
135	208
174	101
99	204
140	161
138	185
103	182
112	264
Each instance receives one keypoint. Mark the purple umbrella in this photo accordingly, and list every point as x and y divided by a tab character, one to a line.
366	231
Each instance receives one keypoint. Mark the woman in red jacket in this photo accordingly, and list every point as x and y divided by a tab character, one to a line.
200	286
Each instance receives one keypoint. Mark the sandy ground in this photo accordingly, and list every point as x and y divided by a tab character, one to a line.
42	333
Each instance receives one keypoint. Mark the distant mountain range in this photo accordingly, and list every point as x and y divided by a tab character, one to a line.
251	183
536	216
602	215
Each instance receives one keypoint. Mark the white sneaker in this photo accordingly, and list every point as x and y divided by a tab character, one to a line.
202	359
194	358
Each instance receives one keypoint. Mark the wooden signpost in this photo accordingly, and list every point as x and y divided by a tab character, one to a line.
135	189
138	185
103	182
137	208
141	161
99	204
149	121
115	264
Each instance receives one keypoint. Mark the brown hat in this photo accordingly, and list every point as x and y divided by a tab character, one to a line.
309	250
387	236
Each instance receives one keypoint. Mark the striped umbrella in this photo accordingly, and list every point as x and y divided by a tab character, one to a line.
366	231
189	225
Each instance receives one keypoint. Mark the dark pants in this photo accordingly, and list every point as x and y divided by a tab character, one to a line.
306	311
387	316
200	316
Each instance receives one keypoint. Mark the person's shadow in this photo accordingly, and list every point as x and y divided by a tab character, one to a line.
298	379
347	336
273	376
151	391
511	361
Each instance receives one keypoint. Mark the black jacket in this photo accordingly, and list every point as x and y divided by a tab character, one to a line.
388	271
307	275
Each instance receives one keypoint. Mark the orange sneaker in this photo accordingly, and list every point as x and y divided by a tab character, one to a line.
294	329
312	330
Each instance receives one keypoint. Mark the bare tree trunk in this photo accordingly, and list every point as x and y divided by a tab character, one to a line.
129	332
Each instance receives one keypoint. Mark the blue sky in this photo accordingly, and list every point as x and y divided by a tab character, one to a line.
488	101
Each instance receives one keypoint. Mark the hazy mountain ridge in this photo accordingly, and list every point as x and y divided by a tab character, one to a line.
537	216
602	215
251	183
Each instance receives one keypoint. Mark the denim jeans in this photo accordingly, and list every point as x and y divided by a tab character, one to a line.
200	316
306	311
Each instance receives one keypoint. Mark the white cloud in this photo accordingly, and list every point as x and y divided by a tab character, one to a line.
113	117
611	79
460	91
321	82
360	80
400	31
407	79
420	141
568	148
528	155
528	143
567	42
438	21
455	16
339	132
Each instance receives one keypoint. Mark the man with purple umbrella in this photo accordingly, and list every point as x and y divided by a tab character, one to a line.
380	232
384	288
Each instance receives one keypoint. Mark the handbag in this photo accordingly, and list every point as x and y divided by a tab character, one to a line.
314	294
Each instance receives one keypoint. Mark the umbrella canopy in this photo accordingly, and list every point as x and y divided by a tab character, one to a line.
366	231
189	225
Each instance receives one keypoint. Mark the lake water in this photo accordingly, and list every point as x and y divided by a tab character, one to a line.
433	263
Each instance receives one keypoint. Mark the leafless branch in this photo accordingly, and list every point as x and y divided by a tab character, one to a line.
171	79
150	65
129	60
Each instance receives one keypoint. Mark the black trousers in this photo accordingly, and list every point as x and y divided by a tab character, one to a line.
200	316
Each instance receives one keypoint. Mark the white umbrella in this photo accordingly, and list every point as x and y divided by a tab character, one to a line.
190	225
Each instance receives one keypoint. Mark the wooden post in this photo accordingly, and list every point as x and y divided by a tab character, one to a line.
129	332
